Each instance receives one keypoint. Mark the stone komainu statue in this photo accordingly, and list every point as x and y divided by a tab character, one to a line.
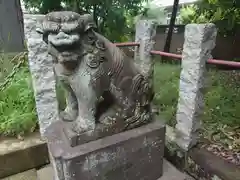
102	84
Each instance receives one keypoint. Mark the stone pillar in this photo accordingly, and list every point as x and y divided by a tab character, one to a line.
145	34
199	42
43	78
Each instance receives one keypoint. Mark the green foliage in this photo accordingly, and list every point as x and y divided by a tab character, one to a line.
189	15
110	15
151	11
52	5
166	79
18	114
17	105
222	100
60	96
224	13
5	65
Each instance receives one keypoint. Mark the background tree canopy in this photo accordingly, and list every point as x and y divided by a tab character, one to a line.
110	15
224	13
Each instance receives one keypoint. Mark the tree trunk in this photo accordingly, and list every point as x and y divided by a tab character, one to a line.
171	26
11	26
95	15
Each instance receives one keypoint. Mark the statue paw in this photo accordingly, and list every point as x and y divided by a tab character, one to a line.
78	129
81	125
66	116
109	117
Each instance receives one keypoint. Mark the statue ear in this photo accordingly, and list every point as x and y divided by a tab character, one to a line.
88	22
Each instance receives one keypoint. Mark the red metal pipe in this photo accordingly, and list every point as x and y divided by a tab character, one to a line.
224	62
126	44
210	61
178	56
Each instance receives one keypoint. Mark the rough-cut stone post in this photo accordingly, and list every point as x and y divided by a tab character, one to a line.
43	78
199	42
145	33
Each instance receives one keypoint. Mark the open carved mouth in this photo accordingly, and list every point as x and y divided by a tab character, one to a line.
67	56
67	48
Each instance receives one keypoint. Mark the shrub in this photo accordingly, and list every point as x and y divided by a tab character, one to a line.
222	98
17	104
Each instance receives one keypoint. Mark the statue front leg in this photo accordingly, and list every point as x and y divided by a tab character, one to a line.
87	102
71	111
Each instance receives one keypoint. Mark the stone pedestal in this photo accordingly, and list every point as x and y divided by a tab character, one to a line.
130	155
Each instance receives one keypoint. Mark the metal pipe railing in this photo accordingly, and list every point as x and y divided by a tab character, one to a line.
127	44
179	56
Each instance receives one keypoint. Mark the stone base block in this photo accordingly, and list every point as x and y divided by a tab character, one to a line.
99	132
27	175
131	155
169	173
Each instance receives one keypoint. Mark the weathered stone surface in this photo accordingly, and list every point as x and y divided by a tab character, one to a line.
145	33
17	156
27	175
133	154
100	131
206	164
45	173
199	42
41	68
169	173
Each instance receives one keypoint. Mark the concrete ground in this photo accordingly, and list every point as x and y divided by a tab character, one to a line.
27	175
170	173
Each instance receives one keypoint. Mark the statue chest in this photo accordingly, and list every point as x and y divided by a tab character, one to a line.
79	79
